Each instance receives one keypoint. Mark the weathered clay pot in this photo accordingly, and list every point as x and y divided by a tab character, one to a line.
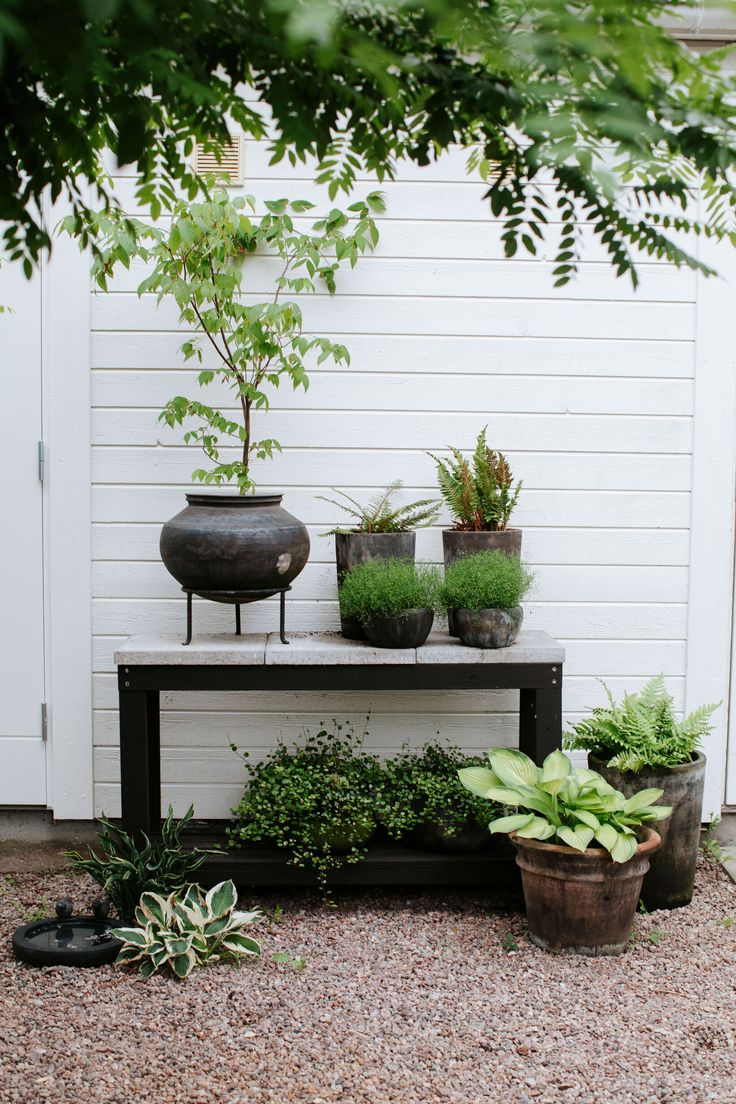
471	837
488	628
581	902
352	549
222	543
406	630
669	883
457	544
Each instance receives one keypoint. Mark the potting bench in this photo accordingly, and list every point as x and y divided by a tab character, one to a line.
148	665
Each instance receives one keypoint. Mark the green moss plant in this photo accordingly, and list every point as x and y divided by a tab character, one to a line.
387	588
488	580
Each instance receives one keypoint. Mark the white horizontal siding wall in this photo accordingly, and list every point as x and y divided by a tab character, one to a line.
588	389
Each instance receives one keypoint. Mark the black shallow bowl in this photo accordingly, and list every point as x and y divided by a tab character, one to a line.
77	941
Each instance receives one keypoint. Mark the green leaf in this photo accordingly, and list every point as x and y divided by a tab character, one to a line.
241	944
641	799
579	838
607	836
155	908
624	848
513	767
479	780
590	819
538	829
556	767
511	823
221	899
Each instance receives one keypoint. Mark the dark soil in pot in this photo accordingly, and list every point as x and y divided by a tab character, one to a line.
471	837
459	543
488	628
669	883
581	902
403	630
238	543
352	549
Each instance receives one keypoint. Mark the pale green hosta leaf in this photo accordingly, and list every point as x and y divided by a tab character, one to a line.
607	836
579	838
538	829
479	780
625	847
505	796
221	899
588	818
533	798
511	823
655	812
513	767
556	767
641	799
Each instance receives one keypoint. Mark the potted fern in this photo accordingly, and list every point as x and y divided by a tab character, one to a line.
481	496
380	530
639	743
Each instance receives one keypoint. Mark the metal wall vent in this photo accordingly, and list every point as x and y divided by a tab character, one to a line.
229	164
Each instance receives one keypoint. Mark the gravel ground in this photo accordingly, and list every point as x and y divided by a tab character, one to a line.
405	998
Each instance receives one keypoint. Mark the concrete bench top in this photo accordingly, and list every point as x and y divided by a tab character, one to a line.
325	649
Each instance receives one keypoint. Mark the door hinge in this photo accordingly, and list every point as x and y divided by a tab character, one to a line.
44	721
41	462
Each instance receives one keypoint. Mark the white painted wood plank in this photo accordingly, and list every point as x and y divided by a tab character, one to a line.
585	508
346	314
22	771
417	353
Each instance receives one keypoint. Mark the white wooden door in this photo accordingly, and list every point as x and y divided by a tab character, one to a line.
22	746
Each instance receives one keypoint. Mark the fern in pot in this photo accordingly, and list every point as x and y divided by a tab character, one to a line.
481	496
484	593
393	600
639	742
382	529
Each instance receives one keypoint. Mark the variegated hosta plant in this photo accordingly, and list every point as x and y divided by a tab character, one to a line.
573	807
187	929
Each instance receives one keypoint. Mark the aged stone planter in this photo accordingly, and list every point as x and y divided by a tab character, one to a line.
581	902
227	543
352	549
405	630
488	628
669	883
459	543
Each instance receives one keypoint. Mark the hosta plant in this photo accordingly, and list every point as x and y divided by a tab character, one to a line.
202	261
573	807
641	730
382	515
127	868
188	929
480	493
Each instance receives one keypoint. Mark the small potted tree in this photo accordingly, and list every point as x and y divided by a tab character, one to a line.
380	530
638	742
393	600
232	546
484	593
583	847
481	496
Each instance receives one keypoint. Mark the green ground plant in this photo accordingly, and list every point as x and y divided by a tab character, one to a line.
381	515
480	493
188	929
641	730
127	869
386	588
488	580
575	807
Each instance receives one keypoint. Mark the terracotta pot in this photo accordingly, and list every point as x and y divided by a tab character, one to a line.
406	630
352	549
669	883
459	543
488	628
581	902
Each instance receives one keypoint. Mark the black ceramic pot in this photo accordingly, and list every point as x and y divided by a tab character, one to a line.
406	630
459	543
669	883
352	549
488	628
223	546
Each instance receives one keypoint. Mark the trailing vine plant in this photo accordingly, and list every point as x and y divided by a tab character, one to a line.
201	263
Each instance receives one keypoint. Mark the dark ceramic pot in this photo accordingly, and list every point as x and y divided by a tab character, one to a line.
471	837
224	546
669	883
458	543
581	902
352	549
488	628
405	630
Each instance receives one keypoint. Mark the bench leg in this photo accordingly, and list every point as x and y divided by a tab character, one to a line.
540	721
140	760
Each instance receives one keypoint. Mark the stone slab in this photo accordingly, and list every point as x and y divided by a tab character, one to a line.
531	646
206	650
332	650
